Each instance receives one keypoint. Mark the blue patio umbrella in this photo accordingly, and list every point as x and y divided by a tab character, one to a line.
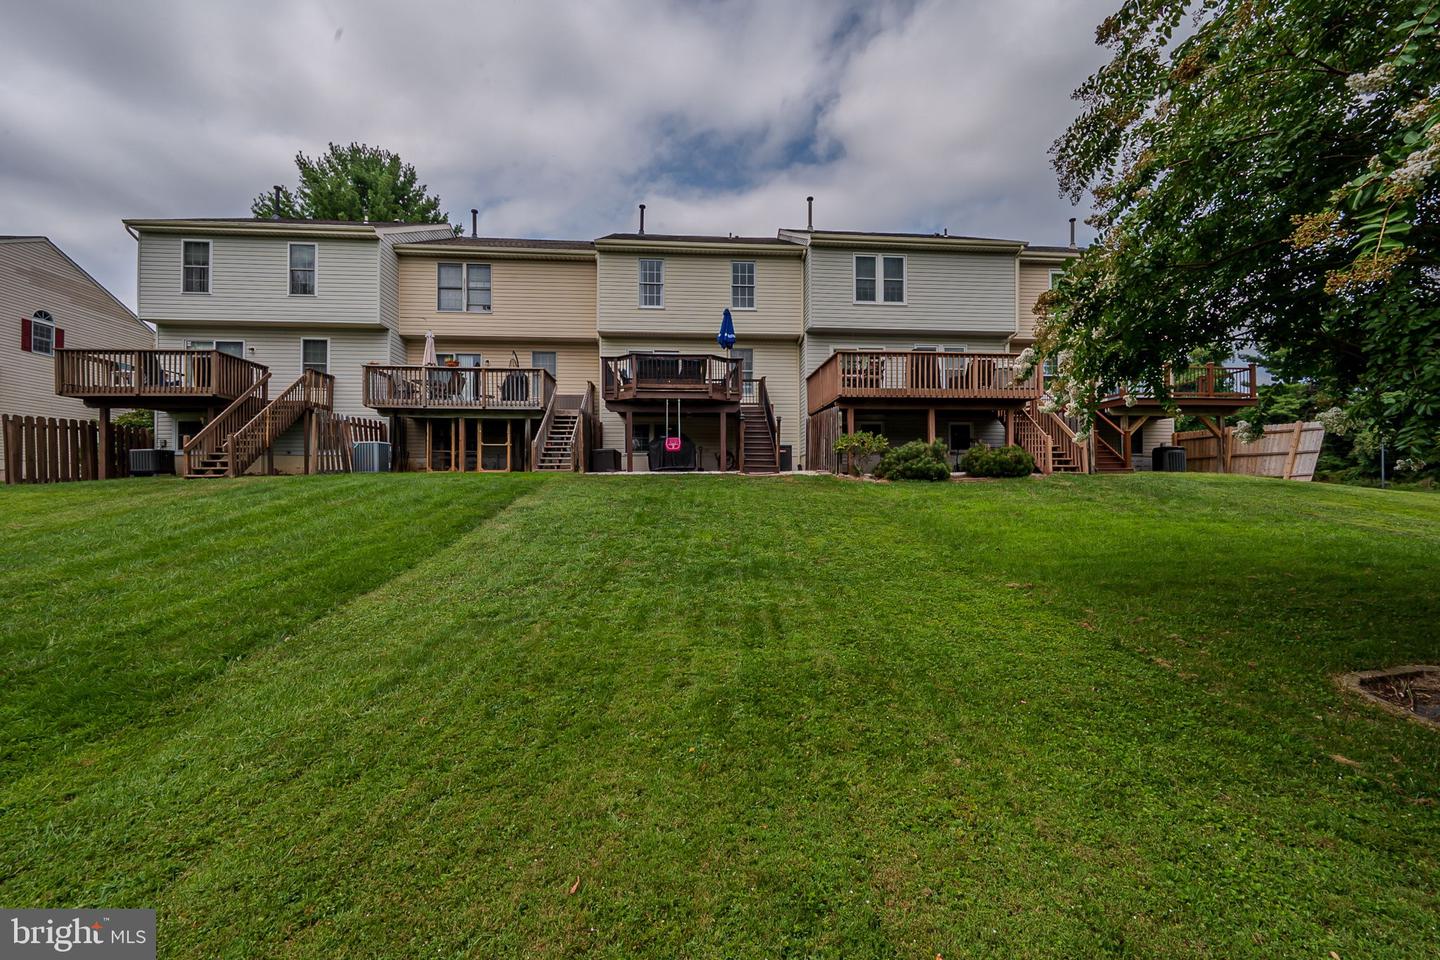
726	337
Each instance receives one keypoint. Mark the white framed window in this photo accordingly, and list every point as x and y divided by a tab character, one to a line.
449	286
742	284
42	333
195	266
235	348
926	348
544	360
477	287
652	284
879	278
302	269
315	354
1055	276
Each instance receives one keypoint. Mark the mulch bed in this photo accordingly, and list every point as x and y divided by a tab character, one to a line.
1412	690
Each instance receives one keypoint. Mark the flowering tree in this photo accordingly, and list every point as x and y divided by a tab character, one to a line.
1266	175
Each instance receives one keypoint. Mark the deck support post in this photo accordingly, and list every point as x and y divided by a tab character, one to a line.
461	456
429	445
102	458
525	448
1009	428
930	425
629	441
724	441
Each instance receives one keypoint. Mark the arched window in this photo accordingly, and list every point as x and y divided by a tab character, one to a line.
42	333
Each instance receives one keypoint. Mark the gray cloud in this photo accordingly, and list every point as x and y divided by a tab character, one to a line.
553	118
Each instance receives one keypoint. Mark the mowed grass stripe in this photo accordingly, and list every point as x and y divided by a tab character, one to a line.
771	718
118	611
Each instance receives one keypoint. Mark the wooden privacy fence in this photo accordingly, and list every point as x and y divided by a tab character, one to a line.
46	450
1287	450
825	428
336	437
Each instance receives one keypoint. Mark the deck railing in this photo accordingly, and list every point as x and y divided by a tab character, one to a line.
1201	382
414	387
659	376
919	374
102	374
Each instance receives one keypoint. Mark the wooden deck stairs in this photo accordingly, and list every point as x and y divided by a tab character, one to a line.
759	433
248	428
558	450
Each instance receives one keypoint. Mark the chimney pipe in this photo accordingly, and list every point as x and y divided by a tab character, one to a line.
1072	233
474	222
642	219
276	214
809	213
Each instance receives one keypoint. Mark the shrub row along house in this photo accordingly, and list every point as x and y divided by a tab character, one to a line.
545	351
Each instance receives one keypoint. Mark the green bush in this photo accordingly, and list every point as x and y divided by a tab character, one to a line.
916	460
981	461
861	446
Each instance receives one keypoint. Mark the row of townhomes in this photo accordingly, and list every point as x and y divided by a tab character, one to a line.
484	353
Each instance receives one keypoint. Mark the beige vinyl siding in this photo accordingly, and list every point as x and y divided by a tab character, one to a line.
777	361
1034	280
34	275
697	291
278	348
576	364
529	298
249	281
950	292
389	266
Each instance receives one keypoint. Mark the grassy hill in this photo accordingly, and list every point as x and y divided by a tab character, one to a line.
689	717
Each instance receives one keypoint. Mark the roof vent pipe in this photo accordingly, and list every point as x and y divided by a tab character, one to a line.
809	214
642	219
474	222
1072	233
276	214
945	232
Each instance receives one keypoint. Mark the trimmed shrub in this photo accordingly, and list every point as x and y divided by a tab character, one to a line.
981	461
861	447
916	460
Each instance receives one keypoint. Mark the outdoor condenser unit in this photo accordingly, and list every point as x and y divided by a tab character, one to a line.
371	456
147	462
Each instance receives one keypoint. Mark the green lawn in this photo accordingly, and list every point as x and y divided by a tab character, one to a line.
401	716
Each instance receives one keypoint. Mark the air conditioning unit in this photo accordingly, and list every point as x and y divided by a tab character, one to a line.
371	456
150	462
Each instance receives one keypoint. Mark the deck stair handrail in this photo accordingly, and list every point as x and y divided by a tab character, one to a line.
421	387
919	374
771	419
83	372
587	428
1103	426
1062	434
1208	381
312	390
210	441
1034	440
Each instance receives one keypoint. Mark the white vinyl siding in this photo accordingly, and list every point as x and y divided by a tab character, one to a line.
247	282
477	287
742	284
195	269
945	293
302	269
652	284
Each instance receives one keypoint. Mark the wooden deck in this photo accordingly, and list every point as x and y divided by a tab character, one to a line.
154	379
1208	389
437	391
673	376
920	378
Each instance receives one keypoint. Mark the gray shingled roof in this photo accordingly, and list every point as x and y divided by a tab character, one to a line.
519	242
690	238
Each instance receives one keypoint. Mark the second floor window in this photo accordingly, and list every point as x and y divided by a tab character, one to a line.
477	287
302	269
891	288
42	334
742	284
450	290
195	266
652	283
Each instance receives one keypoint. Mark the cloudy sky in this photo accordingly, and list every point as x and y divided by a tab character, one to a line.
553	118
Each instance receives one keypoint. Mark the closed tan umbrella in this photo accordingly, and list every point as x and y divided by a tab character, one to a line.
429	358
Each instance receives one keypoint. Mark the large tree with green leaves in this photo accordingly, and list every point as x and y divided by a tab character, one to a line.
358	182
1264	175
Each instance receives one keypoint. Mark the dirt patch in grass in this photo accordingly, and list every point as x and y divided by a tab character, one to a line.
1410	691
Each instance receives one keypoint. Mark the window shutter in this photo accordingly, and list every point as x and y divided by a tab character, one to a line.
25	334
59	338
